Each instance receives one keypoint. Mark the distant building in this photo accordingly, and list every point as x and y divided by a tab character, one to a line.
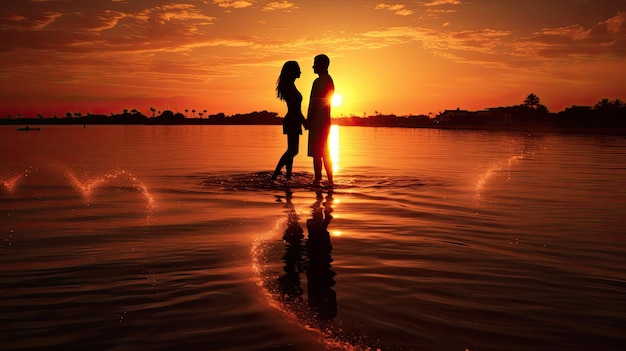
490	116
419	120
496	116
457	116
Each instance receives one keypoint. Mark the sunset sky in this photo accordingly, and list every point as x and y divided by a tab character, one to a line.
403	57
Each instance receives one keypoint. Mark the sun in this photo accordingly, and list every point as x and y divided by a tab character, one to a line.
336	100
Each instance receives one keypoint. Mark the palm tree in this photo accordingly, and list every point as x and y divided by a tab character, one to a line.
186	111
532	101
603	104
606	104
194	113
153	110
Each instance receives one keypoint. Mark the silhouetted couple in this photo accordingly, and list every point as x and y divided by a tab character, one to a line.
317	120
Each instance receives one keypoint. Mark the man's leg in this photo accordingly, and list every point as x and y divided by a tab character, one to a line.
317	168
328	166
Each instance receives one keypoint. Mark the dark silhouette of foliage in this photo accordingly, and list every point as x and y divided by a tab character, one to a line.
532	101
606	116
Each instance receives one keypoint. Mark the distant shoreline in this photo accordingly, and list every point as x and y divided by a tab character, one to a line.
607	117
538	129
35	124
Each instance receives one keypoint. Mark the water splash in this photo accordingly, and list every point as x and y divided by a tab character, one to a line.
494	169
10	183
88	186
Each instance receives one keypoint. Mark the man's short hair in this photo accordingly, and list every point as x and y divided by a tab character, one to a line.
323	59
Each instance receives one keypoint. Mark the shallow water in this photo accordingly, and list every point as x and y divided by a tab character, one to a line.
164	237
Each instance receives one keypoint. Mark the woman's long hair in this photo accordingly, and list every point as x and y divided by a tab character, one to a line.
288	75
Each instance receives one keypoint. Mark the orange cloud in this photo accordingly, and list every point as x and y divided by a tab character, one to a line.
443	2
398	9
499	48
237	4
34	20
607	38
285	6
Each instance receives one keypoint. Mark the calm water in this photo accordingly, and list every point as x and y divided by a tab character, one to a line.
171	238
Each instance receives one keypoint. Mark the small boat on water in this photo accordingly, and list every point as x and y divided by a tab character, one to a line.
27	129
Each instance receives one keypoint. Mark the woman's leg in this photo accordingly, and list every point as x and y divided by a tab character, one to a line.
279	166
293	141
293	145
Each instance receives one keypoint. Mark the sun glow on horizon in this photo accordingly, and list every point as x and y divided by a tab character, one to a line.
336	100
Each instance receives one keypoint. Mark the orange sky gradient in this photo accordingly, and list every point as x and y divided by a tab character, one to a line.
401	57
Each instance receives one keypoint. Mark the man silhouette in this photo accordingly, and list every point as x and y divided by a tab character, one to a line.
318	119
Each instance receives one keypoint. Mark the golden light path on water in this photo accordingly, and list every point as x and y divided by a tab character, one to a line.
333	144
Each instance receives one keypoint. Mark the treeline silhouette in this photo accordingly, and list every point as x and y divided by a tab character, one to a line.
166	117
606	117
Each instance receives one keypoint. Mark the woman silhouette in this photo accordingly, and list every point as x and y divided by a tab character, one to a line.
292	123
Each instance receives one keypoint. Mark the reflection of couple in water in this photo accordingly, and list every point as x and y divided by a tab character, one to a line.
317	121
313	258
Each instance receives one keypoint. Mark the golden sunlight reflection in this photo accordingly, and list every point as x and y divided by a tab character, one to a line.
337	233
336	100
333	142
